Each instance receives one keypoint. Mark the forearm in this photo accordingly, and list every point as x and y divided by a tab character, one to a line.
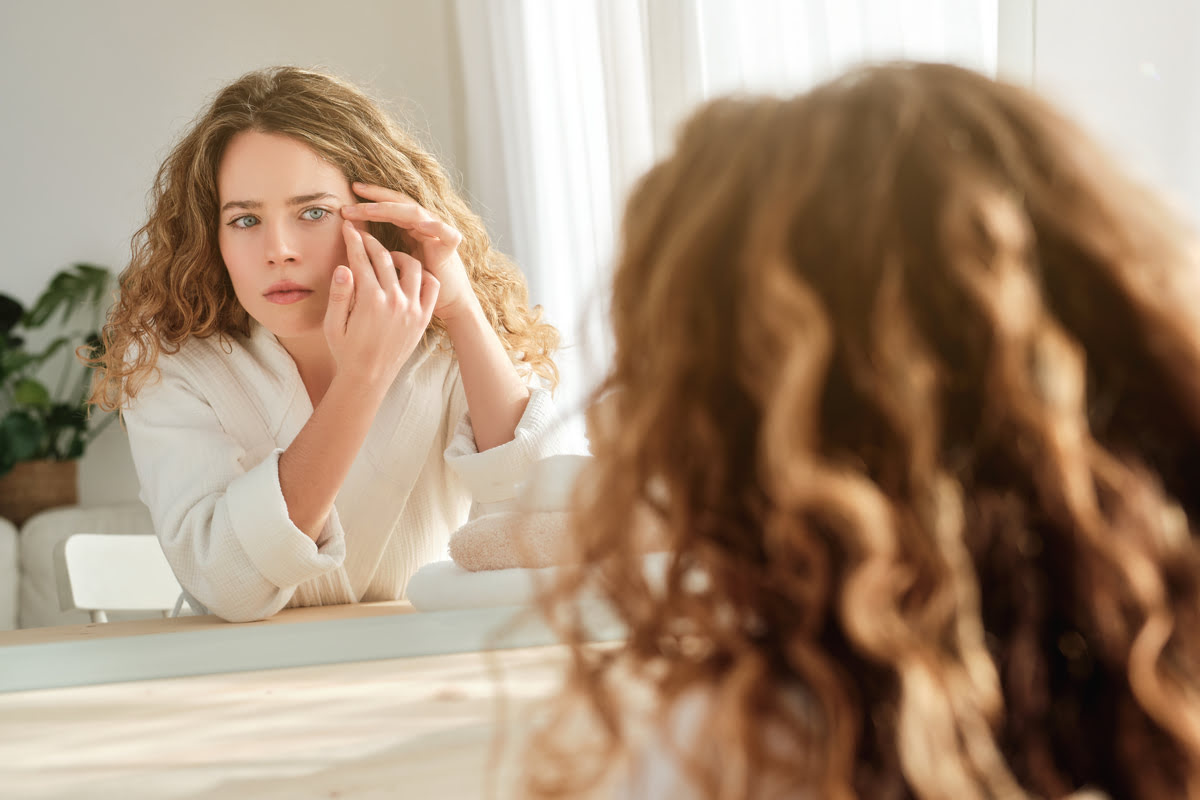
496	395
314	466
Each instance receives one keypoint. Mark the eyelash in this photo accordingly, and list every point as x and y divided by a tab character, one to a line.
233	223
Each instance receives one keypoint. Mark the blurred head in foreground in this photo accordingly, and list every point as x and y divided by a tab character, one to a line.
907	383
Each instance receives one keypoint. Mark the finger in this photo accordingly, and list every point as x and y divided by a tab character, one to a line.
403	214
360	223
341	293
448	234
410	271
373	191
356	256
430	286
381	260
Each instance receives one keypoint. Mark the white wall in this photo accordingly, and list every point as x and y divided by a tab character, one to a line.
1130	71
93	94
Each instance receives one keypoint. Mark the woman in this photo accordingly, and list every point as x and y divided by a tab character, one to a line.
319	358
908	382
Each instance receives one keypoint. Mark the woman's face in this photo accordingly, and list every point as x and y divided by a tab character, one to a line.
280	230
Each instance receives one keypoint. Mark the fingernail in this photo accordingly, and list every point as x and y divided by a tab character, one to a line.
341	275
351	210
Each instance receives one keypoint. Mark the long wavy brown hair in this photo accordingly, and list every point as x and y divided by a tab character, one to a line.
907	378
176	285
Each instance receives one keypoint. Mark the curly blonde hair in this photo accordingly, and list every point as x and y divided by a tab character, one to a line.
909	373
176	285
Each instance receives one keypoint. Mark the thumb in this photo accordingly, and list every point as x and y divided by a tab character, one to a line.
341	292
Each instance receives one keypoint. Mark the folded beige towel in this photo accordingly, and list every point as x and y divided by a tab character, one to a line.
535	535
529	539
538	534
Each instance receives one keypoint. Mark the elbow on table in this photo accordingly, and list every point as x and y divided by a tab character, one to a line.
239	609
240	615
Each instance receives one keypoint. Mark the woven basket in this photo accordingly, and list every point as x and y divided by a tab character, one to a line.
34	486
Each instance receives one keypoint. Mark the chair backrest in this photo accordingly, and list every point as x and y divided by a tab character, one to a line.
106	572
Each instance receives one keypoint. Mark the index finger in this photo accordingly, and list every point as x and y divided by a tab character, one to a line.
356	256
406	215
380	193
381	261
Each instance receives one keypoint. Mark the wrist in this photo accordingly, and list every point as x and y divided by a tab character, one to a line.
467	316
360	388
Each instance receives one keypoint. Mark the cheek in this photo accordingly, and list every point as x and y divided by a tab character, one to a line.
328	246
237	262
336	242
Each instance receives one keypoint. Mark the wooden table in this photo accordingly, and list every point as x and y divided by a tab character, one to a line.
423	726
79	655
98	630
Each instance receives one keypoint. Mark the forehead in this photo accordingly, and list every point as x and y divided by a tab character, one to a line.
266	166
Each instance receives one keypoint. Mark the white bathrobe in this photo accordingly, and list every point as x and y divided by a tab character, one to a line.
206	440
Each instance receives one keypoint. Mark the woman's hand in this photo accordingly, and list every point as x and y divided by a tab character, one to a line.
432	241
379	307
496	395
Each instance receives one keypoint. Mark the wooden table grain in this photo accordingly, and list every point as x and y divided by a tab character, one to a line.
450	719
449	726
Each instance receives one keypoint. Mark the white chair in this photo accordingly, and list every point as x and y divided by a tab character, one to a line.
105	572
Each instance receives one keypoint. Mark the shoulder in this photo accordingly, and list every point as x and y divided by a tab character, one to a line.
233	377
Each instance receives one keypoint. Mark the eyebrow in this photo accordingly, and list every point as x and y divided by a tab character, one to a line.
298	200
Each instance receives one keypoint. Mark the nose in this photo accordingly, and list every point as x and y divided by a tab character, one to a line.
279	246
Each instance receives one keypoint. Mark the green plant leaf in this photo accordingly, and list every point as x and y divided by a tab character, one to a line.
69	289
51	349
49	419
65	415
11	312
96	278
21	435
75	449
13	362
32	393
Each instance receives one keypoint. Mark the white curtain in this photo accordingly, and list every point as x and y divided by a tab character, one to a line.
568	101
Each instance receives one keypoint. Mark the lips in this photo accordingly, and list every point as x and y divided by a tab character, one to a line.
286	292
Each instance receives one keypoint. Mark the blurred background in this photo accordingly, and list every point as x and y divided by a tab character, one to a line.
544	111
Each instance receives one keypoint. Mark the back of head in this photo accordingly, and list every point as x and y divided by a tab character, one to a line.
910	373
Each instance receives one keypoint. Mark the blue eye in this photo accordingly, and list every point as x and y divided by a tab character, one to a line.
314	214
245	221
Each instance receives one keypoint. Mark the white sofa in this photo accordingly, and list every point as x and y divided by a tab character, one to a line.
10	572
27	573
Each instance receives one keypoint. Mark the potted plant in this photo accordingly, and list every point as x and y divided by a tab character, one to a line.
44	421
